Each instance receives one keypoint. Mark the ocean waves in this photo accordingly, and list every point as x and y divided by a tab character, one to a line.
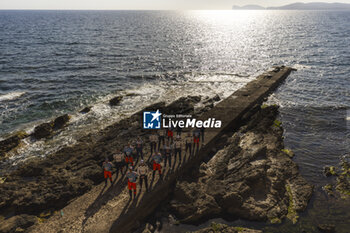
11	96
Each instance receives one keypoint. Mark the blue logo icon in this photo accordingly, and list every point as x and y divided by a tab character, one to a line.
151	120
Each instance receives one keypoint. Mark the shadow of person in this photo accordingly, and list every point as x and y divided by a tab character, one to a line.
152	180
103	198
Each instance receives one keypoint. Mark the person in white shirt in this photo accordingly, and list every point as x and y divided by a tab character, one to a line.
167	152
153	138
139	148
188	141
161	138
177	148
142	171
119	159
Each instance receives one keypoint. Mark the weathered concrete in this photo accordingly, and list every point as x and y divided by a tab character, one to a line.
120	215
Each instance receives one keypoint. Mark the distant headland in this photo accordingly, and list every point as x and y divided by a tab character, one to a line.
299	6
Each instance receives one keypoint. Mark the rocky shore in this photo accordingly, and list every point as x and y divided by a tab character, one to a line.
41	186
240	171
251	177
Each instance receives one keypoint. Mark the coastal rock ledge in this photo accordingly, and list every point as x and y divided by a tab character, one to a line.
251	177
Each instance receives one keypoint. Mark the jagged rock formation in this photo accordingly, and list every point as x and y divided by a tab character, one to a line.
46	129
251	178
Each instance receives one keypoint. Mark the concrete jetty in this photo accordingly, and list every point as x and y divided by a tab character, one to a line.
116	212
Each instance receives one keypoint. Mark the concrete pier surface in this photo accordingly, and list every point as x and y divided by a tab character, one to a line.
109	208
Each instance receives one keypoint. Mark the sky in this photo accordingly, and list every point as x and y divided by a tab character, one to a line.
143	4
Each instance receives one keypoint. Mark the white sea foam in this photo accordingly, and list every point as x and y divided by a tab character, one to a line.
11	96
300	67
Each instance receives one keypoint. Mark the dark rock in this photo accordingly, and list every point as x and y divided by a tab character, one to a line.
42	131
195	99
116	100
329	171
11	143
212	100
86	109
216	98
326	228
182	105
61	121
15	222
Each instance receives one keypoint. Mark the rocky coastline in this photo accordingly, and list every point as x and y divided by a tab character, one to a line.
250	176
40	186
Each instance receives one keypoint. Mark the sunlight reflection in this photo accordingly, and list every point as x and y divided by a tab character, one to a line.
242	17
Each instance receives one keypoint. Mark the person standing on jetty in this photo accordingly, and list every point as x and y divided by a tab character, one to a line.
196	138
170	134
157	159
139	148
153	138
132	177
107	170
161	138
128	150
202	134
142	171
167	152
177	148
178	131
188	141
119	159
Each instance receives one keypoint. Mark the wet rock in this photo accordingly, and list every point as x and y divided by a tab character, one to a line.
43	130
288	152
342	186
182	105
11	143
61	121
326	228
216	98
86	109
329	171
15	223
250	178
328	189
115	101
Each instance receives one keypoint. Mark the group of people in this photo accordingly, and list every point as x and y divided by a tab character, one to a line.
163	147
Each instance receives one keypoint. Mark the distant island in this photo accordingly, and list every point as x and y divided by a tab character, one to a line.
299	6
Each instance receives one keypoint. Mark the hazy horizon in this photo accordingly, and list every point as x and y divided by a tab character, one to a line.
141	4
